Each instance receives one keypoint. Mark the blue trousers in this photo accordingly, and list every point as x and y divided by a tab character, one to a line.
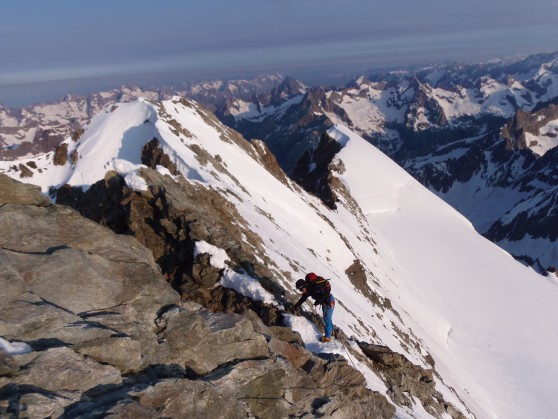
327	313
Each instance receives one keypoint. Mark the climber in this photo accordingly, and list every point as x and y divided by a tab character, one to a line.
320	290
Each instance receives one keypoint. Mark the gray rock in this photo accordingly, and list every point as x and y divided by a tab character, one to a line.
122	352
38	321
14	192
63	369
188	399
264	385
36	405
95	308
203	340
8	365
131	409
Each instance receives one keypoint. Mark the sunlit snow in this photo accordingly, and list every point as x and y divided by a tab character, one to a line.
488	321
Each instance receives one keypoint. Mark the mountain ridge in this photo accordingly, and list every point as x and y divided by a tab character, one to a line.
477	129
396	234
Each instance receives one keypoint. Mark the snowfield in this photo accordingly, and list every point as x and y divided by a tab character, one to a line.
488	321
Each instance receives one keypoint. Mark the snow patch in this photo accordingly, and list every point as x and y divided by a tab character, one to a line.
218	257
246	285
14	348
241	283
130	173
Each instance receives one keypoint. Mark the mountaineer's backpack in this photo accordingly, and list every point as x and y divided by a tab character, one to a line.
319	287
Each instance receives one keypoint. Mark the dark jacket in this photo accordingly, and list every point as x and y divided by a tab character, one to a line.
319	291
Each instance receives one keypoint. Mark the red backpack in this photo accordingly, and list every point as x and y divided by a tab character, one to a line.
319	286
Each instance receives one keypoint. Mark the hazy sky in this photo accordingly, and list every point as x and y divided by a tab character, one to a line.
54	40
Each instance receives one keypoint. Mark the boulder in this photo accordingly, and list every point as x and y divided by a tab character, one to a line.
201	340
62	369
14	192
182	398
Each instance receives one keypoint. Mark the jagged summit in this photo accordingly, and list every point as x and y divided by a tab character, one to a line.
471	133
410	273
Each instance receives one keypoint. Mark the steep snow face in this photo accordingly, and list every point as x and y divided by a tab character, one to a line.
440	288
114	135
490	321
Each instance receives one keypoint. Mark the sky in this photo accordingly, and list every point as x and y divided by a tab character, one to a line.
68	44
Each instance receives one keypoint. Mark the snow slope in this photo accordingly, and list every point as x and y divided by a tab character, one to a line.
488	322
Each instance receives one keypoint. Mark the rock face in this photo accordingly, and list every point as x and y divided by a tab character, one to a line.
289	120
405	379
313	173
522	123
12	191
111	338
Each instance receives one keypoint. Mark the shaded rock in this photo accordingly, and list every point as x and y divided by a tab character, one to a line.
226	300
101	202
69	195
312	171
152	156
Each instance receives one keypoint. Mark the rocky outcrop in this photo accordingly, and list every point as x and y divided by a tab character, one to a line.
61	154
424	111
169	219
405	380
12	191
523	122
154	156
313	172
111	338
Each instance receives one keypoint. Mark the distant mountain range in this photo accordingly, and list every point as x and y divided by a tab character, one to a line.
481	136
40	127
